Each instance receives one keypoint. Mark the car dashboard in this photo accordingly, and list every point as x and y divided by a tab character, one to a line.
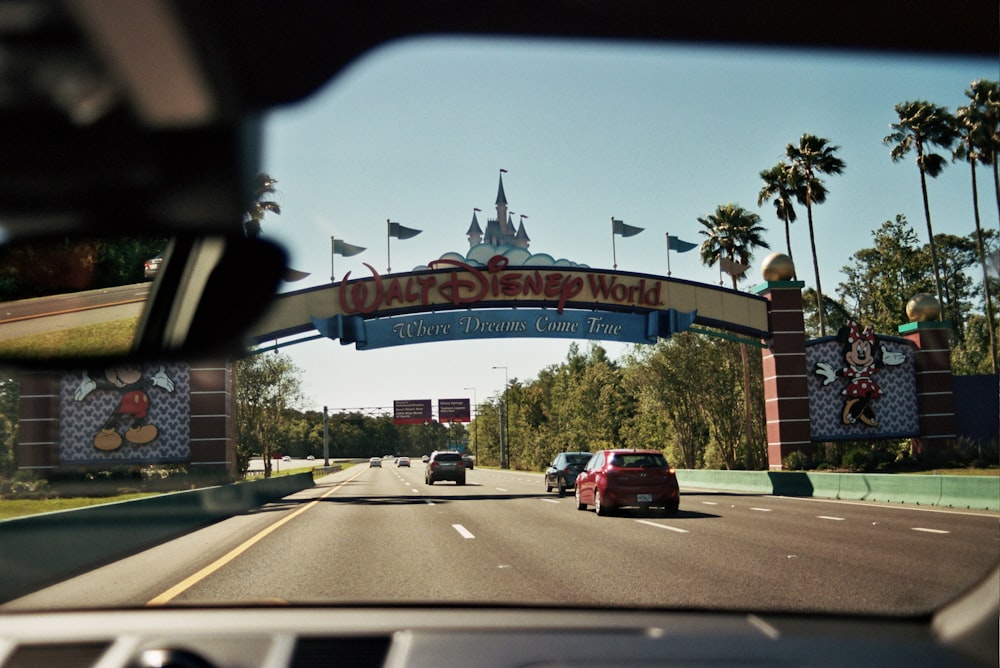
393	637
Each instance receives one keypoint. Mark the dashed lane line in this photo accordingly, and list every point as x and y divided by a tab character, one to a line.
663	526
926	530
462	531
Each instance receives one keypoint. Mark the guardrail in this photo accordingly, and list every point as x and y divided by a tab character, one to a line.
38	550
975	492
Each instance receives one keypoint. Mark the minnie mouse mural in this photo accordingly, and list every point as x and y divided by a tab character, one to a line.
864	359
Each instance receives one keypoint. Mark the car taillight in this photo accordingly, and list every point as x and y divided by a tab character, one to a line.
434	464
671	470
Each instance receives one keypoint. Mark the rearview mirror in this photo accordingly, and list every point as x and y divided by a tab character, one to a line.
64	300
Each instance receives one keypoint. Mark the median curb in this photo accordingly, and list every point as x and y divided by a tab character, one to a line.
39	550
974	492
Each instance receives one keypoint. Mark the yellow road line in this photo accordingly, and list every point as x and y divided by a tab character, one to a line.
192	580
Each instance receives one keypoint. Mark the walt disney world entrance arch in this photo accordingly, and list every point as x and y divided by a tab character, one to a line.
821	390
455	300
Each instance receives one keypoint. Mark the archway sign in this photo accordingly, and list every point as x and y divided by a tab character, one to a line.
455	301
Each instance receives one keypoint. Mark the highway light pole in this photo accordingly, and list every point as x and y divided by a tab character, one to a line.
503	419
475	424
326	438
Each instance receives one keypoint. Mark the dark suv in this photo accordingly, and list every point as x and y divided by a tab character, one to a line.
563	470
445	465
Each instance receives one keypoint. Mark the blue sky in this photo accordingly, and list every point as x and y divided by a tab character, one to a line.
658	137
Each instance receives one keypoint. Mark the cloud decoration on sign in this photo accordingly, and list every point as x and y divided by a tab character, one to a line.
480	254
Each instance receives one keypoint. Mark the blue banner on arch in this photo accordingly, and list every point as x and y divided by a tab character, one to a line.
514	323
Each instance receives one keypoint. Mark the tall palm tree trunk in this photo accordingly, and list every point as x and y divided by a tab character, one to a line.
930	236
747	406
819	285
788	243
996	178
982	262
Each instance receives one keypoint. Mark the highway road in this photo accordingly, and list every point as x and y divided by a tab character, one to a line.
369	534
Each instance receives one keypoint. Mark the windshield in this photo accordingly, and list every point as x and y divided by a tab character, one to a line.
517	248
638	461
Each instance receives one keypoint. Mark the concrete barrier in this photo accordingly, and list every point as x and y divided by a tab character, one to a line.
38	550
975	492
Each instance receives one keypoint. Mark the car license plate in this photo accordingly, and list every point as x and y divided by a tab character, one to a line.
643	498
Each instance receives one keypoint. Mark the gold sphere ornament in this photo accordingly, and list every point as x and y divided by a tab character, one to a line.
923	307
777	267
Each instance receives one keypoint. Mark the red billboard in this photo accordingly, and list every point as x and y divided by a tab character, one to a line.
411	411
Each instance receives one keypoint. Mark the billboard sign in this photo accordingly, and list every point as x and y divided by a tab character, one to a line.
454	410
411	411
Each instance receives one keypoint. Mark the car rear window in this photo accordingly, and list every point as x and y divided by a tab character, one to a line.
646	461
448	457
578	459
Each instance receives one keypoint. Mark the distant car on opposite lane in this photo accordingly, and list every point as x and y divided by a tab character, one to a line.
152	266
615	478
563	470
444	465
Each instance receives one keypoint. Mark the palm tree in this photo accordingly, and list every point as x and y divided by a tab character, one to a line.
781	183
922	126
733	233
263	186
812	157
978	133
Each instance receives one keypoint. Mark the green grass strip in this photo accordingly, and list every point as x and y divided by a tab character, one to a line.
107	338
20	507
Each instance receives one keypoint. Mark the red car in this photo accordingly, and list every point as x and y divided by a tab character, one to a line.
615	478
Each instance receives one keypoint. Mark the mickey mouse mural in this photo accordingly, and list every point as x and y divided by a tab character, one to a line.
863	358
132	409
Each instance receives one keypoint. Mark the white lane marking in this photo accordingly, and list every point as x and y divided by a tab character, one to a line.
428	502
550	500
462	531
709	503
761	510
763	627
828	517
415	490
501	489
929	530
662	526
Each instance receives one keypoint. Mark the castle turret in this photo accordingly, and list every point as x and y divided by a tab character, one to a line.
502	209
475	232
521	239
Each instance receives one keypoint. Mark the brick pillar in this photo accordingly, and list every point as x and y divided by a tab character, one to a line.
38	421
213	442
786	392
935	401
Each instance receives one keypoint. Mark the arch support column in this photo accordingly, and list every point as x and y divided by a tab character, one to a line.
935	401
786	391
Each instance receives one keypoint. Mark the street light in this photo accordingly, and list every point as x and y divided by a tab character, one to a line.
504	427
475	424
326	437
